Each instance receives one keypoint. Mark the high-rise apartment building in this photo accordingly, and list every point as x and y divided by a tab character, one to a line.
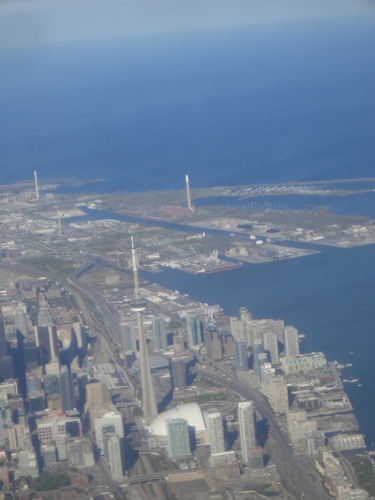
245	314
212	342
227	343
216	432
109	418
258	349
114	453
246	420
236	328
278	394
178	437
242	362
178	342
291	342
194	330
127	336
271	347
266	373
178	373
160	332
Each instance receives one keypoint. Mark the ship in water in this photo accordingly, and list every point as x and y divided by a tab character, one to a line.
218	267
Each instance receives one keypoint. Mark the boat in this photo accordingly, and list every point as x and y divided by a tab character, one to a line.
348	365
352	380
351	353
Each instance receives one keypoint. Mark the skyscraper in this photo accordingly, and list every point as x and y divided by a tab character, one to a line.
266	373
194	331
212	342
44	313
114	454
160	332
178	374
46	340
138	305
278	394
216	431
271	346
246	419
20	322
127	336
242	363
109	418
257	350
227	343
178	437
245	314
291	343
236	327
68	400
6	362
3	341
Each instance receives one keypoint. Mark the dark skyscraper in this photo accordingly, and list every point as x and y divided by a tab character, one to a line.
68	400
212	342
160	332
178	374
194	331
46	340
3	341
242	363
6	362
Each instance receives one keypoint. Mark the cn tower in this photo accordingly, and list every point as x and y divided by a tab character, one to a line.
138	305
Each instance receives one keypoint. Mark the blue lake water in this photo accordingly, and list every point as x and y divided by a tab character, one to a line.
269	103
265	104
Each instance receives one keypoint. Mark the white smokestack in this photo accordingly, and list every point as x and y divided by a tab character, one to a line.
188	193
36	186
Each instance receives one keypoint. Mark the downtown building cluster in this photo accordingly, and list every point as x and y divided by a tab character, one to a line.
49	398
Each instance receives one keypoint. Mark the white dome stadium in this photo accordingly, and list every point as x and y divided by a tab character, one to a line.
191	412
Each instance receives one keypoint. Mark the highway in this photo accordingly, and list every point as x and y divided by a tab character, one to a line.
110	318
296	479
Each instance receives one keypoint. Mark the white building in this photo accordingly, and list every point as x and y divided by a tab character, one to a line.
109	418
156	431
216	432
291	342
246	419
